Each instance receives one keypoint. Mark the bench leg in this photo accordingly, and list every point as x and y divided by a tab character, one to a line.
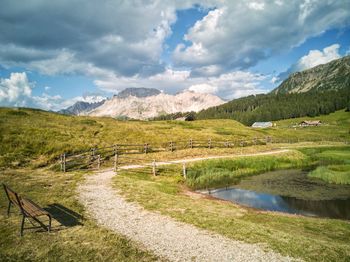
49	227
8	209
22	225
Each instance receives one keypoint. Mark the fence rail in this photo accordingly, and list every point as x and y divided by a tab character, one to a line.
116	154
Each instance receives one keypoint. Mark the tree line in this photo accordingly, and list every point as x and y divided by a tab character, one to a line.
271	107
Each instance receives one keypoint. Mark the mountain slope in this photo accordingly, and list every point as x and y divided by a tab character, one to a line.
329	76
155	105
81	107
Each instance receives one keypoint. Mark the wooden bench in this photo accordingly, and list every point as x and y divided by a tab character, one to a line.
27	207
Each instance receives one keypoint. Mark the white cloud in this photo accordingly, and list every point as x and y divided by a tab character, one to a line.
15	90
312	59
203	88
126	37
229	85
317	57
238	34
256	5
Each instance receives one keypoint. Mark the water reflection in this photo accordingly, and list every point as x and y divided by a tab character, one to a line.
322	208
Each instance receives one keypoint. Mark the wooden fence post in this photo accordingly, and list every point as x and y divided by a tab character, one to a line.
226	144
241	143
209	143
145	148
171	146
98	161
115	162
191	143
184	169
154	167
64	162
61	162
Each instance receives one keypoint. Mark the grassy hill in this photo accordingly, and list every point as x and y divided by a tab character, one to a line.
27	134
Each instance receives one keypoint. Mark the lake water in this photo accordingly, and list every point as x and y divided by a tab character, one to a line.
290	191
339	208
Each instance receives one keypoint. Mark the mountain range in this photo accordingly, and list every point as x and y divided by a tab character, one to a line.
310	92
145	103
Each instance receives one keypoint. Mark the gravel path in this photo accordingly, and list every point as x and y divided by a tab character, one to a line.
167	238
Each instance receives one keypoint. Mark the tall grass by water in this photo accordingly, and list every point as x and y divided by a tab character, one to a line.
337	174
225	172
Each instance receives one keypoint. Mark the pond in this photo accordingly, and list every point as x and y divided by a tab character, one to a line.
290	191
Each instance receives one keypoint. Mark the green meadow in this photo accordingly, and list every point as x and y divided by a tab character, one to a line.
32	140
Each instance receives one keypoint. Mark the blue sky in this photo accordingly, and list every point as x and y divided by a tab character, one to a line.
54	54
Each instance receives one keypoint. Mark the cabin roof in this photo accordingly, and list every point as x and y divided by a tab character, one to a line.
262	124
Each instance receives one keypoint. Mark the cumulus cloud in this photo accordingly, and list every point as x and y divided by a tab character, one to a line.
17	91
317	57
238	34
312	59
126	37
119	43
229	85
203	88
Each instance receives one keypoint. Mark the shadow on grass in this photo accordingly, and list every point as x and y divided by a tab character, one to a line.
65	216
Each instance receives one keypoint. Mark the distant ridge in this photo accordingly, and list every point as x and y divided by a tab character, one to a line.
80	108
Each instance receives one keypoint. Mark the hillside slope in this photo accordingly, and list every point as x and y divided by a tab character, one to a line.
330	76
27	134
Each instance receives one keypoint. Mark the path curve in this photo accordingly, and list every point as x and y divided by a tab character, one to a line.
167	238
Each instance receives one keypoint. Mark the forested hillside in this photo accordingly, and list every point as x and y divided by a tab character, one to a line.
270	107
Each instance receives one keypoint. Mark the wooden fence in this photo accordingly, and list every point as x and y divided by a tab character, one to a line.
98	156
117	155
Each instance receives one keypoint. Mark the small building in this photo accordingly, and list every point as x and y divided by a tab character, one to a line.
310	123
180	119
262	124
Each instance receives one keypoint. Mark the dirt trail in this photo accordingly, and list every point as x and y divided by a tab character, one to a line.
167	238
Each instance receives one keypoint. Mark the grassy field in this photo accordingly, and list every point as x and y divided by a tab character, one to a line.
335	126
37	138
75	237
312	239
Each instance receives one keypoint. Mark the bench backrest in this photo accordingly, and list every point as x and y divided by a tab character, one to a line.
12	196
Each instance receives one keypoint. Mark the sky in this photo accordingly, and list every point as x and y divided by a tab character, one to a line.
54	53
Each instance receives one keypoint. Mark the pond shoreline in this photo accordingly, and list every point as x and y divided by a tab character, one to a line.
267	192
